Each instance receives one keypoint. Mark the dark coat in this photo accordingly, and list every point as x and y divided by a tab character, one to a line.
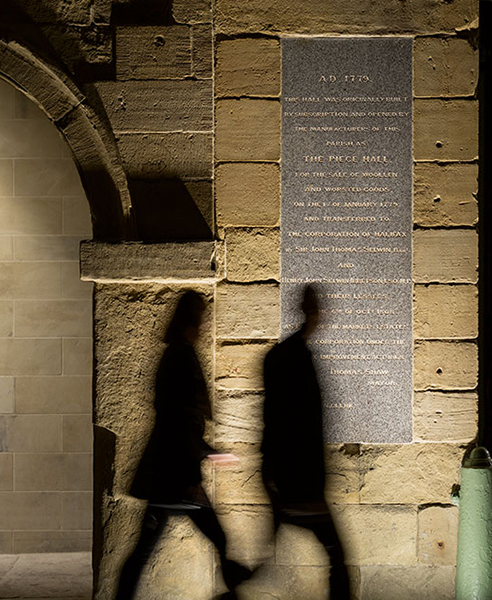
171	462
293	449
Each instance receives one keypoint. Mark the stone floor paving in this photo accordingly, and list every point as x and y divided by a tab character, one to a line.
50	576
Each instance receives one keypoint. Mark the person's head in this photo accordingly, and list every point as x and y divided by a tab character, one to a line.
185	322
310	308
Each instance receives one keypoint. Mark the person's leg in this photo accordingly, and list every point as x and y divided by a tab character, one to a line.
323	527
155	520
206	520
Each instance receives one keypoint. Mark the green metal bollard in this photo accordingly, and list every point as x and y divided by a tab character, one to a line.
474	561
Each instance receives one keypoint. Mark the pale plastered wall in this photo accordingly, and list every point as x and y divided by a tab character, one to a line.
45	338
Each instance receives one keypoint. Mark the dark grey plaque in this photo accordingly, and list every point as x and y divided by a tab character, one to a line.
346	225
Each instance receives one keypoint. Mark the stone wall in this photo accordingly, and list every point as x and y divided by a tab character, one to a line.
189	95
45	338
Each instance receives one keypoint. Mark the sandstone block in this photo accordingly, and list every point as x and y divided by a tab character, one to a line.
53	395
53	472
405	583
248	67
34	542
419	473
250	529
342	475
442	311
152	52
46	248
445	417
28	138
77	510
6	544
445	365
76	216
6	472
445	256
77	356
238	417
31	433
30	357
247	194
158	106
63	11
288	583
438	535
299	547
444	67
77	433
30	510
6	248
72	286
202	51
6	395
53	318
252	254
46	177
6	318
168	155
377	535
194	11
248	311
445	195
445	130
241	483
247	130
6	177
31	216
116	262
312	17
241	366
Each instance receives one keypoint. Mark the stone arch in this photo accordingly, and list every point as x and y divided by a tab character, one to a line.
92	145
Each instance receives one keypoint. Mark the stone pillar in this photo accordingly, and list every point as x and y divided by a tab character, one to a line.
136	287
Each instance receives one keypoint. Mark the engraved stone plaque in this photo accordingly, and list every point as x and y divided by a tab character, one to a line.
346	225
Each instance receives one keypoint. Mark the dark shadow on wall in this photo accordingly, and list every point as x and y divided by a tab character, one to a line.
170	210
143	12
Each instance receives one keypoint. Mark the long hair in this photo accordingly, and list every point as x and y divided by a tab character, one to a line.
188	313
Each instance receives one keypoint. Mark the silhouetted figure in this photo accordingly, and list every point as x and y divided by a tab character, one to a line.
169	474
293	453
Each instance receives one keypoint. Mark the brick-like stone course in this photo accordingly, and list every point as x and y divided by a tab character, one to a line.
438	535
442	365
247	194
252	254
442	417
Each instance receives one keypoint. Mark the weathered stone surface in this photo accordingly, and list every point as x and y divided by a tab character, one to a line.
202	51
247	194
158	106
422	16
151	52
377	535
442	311
445	129
192	11
6	472
92	44
247	130
249	531
241	483
54	471
252	254
41	542
238	417
407	583
445	417
133	261
445	195
287	583
241	366
248	311
166	155
65	11
342	473
182	567
445	256
409	474
248	67
299	547
444	67
438	535
445	365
